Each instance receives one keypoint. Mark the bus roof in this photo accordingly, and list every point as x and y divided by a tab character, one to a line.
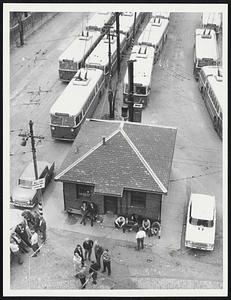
211	18
99	56
164	15
153	32
98	20
80	46
73	98
142	67
206	47
202	206
211	70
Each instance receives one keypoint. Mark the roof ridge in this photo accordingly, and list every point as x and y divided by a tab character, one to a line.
85	155
144	162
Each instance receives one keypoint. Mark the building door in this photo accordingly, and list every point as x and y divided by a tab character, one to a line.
110	204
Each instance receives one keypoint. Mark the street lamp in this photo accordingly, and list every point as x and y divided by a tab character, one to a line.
25	137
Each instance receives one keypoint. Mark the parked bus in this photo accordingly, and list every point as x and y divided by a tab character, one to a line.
78	101
205	50
99	57
212	21
154	35
73	58
212	90
97	21
142	74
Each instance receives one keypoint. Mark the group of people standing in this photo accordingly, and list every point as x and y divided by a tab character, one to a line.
88	210
26	235
82	254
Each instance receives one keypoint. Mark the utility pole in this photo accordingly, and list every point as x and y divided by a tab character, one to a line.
134	30
118	41
21	29
110	93
33	137
131	85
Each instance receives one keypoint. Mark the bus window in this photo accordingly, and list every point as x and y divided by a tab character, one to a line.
68	121
141	90
56	120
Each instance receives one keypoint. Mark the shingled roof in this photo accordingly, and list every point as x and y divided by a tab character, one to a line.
135	156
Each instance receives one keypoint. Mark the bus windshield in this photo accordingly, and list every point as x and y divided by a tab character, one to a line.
62	120
205	62
67	64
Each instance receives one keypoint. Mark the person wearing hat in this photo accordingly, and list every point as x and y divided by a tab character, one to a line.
87	246
34	242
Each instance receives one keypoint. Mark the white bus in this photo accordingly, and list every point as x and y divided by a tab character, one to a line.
78	101
212	21
142	74
73	58
154	35
212	90
205	50
99	56
97	21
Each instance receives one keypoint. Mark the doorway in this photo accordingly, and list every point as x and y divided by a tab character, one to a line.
110	205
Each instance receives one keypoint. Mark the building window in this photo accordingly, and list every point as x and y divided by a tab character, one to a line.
83	192
138	199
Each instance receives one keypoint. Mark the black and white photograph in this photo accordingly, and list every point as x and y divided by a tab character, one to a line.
115	149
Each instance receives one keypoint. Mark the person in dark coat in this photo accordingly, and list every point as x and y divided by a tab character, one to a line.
94	267
82	274
79	251
26	214
92	211
36	221
43	229
84	213
21	231
87	246
98	252
19	241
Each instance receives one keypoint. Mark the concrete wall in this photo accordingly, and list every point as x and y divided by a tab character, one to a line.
30	23
152	209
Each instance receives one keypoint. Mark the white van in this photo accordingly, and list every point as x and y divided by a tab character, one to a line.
201	222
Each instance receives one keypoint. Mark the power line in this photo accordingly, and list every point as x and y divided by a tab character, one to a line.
195	176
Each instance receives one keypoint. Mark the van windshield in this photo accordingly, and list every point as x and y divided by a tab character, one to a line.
200	222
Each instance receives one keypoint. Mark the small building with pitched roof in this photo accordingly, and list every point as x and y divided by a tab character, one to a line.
122	167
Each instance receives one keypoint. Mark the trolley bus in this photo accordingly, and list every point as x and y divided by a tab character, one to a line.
154	35
142	74
78	101
212	21
73	58
212	89
99	56
97	21
205	50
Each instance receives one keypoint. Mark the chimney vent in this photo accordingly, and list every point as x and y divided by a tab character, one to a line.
104	141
